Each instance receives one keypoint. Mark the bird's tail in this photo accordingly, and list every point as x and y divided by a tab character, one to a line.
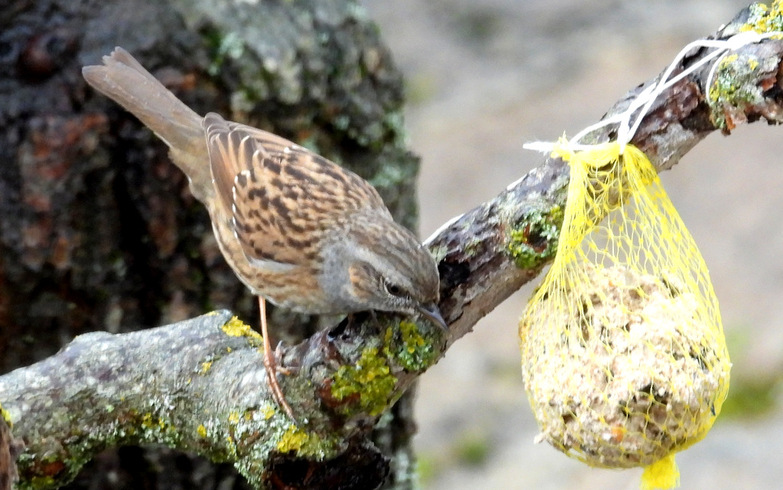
124	80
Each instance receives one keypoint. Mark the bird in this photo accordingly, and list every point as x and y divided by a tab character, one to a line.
297	229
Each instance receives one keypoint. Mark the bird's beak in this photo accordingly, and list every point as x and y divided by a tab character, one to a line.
432	313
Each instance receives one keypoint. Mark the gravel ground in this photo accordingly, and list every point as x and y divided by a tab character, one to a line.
483	79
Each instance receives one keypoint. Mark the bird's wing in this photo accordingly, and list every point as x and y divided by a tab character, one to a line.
281	196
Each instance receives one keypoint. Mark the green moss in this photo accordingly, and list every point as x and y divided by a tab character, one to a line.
408	347
49	470
41	482
369	382
535	237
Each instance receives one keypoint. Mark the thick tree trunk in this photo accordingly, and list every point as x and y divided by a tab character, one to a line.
98	230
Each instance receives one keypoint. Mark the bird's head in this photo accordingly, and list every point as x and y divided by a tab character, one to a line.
379	265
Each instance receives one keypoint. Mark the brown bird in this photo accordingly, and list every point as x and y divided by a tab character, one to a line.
297	229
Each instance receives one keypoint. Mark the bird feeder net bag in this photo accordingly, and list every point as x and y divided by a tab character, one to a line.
623	354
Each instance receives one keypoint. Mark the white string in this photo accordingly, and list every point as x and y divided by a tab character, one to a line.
644	100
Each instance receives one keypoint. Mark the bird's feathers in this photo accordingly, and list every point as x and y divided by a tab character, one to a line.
282	197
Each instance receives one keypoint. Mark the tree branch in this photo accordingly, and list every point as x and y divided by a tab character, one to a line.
486	254
200	386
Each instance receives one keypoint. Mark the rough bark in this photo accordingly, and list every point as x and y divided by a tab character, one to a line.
98	230
9	449
168	385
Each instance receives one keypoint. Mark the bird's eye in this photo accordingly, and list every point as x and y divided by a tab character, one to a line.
394	289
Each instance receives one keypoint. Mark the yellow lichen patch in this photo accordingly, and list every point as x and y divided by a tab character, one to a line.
149	421
237	328
298	440
233	418
231	446
205	367
726	61
411	336
6	416
268	411
408	347
155	429
735	87
369	380
721	88
764	19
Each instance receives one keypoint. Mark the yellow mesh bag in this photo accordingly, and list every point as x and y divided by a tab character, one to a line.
623	354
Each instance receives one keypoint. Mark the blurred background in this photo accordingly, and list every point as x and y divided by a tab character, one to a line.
485	77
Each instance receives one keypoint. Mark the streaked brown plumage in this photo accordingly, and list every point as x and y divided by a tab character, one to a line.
297	229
